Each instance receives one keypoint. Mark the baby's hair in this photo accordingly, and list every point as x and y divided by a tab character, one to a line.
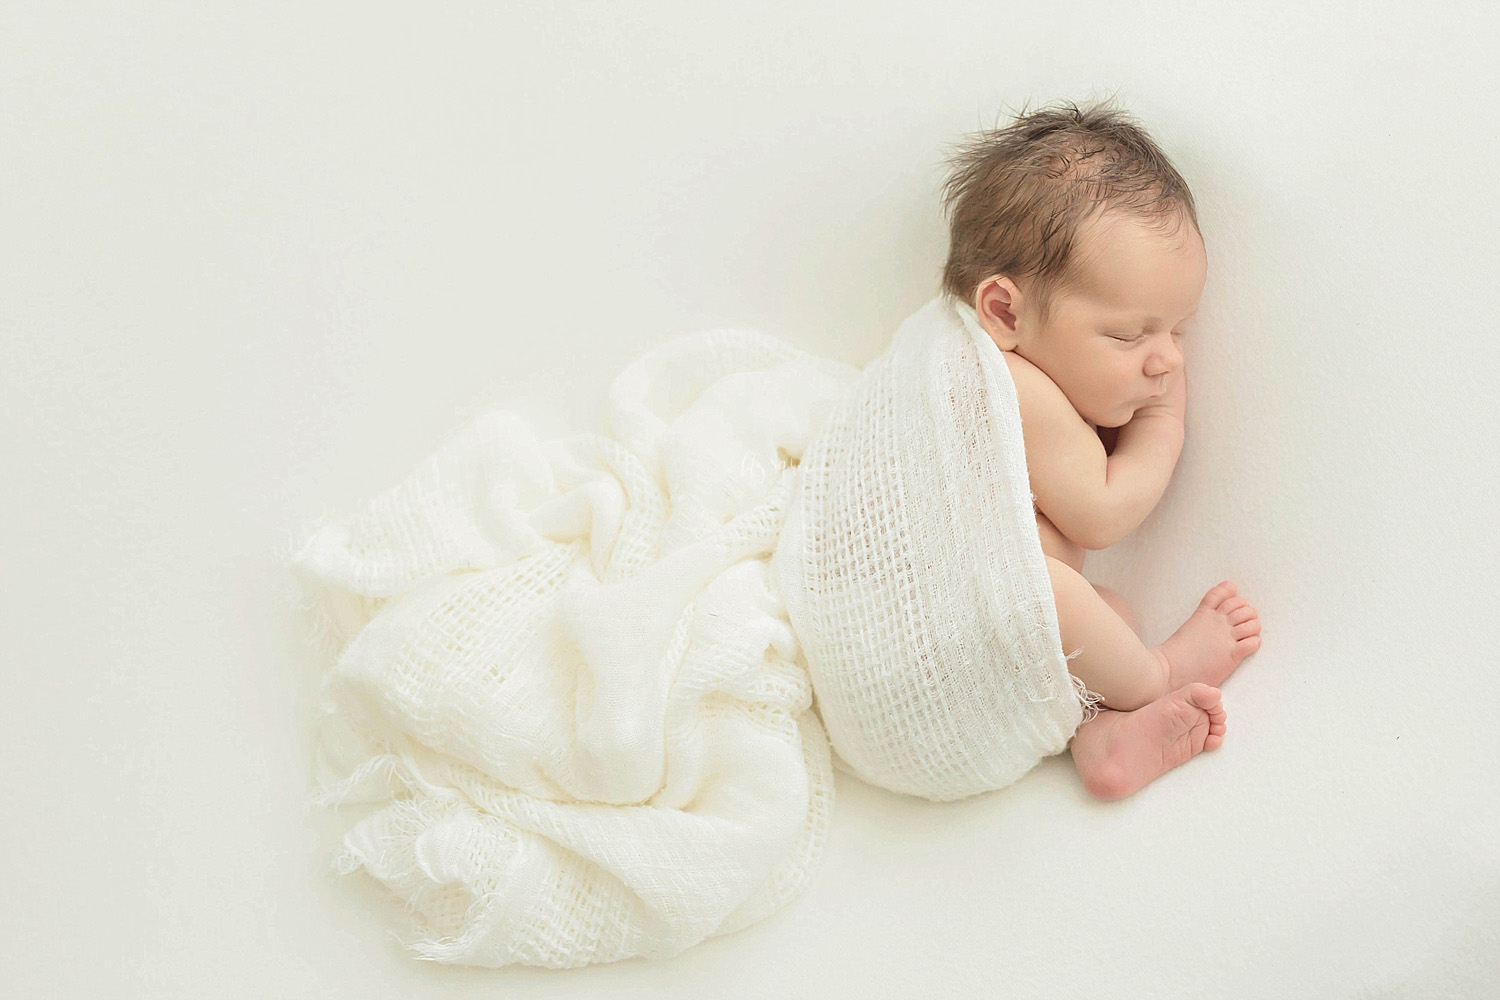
1018	196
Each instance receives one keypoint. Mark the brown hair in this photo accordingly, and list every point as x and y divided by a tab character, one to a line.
1018	196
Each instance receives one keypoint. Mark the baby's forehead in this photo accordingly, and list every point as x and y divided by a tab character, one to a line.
1134	308
1095	297
1145	294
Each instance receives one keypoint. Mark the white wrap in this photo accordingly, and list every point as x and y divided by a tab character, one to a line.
566	674
914	576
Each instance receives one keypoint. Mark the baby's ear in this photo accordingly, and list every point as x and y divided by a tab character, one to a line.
1005	339
992	306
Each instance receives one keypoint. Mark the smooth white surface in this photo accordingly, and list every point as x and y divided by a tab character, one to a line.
256	259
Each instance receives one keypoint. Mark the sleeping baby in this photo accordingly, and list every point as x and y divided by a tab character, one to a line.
1076	244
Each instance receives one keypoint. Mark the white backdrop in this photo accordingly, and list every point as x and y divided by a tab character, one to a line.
257	258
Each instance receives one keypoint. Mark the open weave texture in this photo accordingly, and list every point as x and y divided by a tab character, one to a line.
575	679
913	572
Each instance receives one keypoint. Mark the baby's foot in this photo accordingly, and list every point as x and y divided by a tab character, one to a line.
1119	753
1222	631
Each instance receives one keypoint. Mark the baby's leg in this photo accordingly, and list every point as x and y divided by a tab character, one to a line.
1207	648
1112	661
1122	609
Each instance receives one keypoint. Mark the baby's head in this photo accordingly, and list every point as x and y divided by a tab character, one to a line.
1076	242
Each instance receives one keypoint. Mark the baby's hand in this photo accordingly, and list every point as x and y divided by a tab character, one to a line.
1173	403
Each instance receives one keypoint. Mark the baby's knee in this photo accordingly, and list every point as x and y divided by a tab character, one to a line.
1069	588
1065	577
1057	569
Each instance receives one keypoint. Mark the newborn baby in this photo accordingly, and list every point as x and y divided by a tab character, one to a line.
1092	336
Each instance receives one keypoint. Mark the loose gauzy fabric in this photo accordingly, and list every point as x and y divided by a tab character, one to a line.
913	572
575	680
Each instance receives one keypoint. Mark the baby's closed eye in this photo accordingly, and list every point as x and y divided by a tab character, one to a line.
1136	338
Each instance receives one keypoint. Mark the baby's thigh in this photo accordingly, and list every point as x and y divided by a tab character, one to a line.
1077	600
1057	545
1071	593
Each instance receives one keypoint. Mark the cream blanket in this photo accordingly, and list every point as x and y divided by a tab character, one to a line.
575	678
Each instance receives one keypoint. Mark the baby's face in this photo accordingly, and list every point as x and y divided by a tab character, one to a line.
1114	346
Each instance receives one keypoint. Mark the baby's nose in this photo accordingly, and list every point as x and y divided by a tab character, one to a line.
1167	361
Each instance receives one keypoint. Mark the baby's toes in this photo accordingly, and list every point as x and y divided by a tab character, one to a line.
1246	629
1205	697
1213	707
1216	729
1240	615
1218	595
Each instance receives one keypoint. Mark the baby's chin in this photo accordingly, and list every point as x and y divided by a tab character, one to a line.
1120	415
1112	416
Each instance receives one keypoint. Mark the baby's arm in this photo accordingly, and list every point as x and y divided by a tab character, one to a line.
1092	499
1145	453
1065	461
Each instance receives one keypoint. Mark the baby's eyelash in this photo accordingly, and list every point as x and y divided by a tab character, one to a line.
1131	340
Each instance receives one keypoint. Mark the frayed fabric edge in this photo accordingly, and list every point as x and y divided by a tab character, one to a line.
1087	699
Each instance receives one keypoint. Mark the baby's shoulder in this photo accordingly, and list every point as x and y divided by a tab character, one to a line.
1034	387
1049	423
1015	361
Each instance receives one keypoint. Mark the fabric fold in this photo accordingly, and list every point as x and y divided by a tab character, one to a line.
564	677
587	687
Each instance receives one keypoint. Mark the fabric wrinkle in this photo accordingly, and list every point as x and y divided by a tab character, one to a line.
595	689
